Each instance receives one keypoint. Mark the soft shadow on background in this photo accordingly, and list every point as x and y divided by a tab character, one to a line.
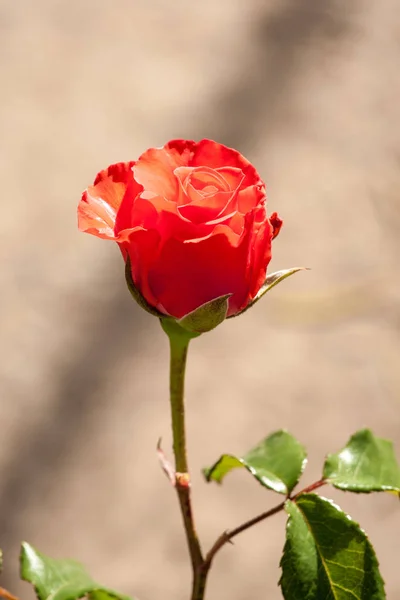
309	92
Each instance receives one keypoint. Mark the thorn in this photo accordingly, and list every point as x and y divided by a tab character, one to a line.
165	464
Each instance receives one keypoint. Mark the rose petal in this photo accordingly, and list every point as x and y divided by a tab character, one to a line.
276	223
207	209
260	252
142	247
100	202
155	169
250	197
236	223
186	275
135	212
185	149
173	224
211	154
193	182
202	177
233	176
204	204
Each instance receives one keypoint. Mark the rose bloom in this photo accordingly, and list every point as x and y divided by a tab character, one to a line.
192	219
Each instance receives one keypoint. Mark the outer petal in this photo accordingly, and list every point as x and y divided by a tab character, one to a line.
186	275
276	223
250	197
260	254
135	211
185	148
100	202
142	247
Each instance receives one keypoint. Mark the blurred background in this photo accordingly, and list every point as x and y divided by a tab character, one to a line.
309	92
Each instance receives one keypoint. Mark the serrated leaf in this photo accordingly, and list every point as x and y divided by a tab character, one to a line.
60	579
326	555
271	281
207	316
366	464
277	463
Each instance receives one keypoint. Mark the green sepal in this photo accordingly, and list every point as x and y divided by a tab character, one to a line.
207	316
136	295
277	463
366	464
60	579
327	555
175	332
271	281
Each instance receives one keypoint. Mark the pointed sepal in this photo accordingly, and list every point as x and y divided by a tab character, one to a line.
271	281
207	316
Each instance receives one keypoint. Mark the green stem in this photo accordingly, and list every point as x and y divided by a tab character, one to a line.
179	343
178	356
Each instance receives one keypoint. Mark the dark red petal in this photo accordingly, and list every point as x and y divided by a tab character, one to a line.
186	275
276	223
260	255
142	247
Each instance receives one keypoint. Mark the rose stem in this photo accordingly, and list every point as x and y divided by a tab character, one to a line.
179	343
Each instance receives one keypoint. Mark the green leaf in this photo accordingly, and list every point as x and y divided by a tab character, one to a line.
207	316
60	579
326	555
366	464
271	281
277	463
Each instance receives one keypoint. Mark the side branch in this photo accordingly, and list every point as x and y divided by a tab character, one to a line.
227	536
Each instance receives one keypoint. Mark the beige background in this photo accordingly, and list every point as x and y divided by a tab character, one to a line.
309	91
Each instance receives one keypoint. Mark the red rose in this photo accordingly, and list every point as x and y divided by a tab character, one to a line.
192	218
